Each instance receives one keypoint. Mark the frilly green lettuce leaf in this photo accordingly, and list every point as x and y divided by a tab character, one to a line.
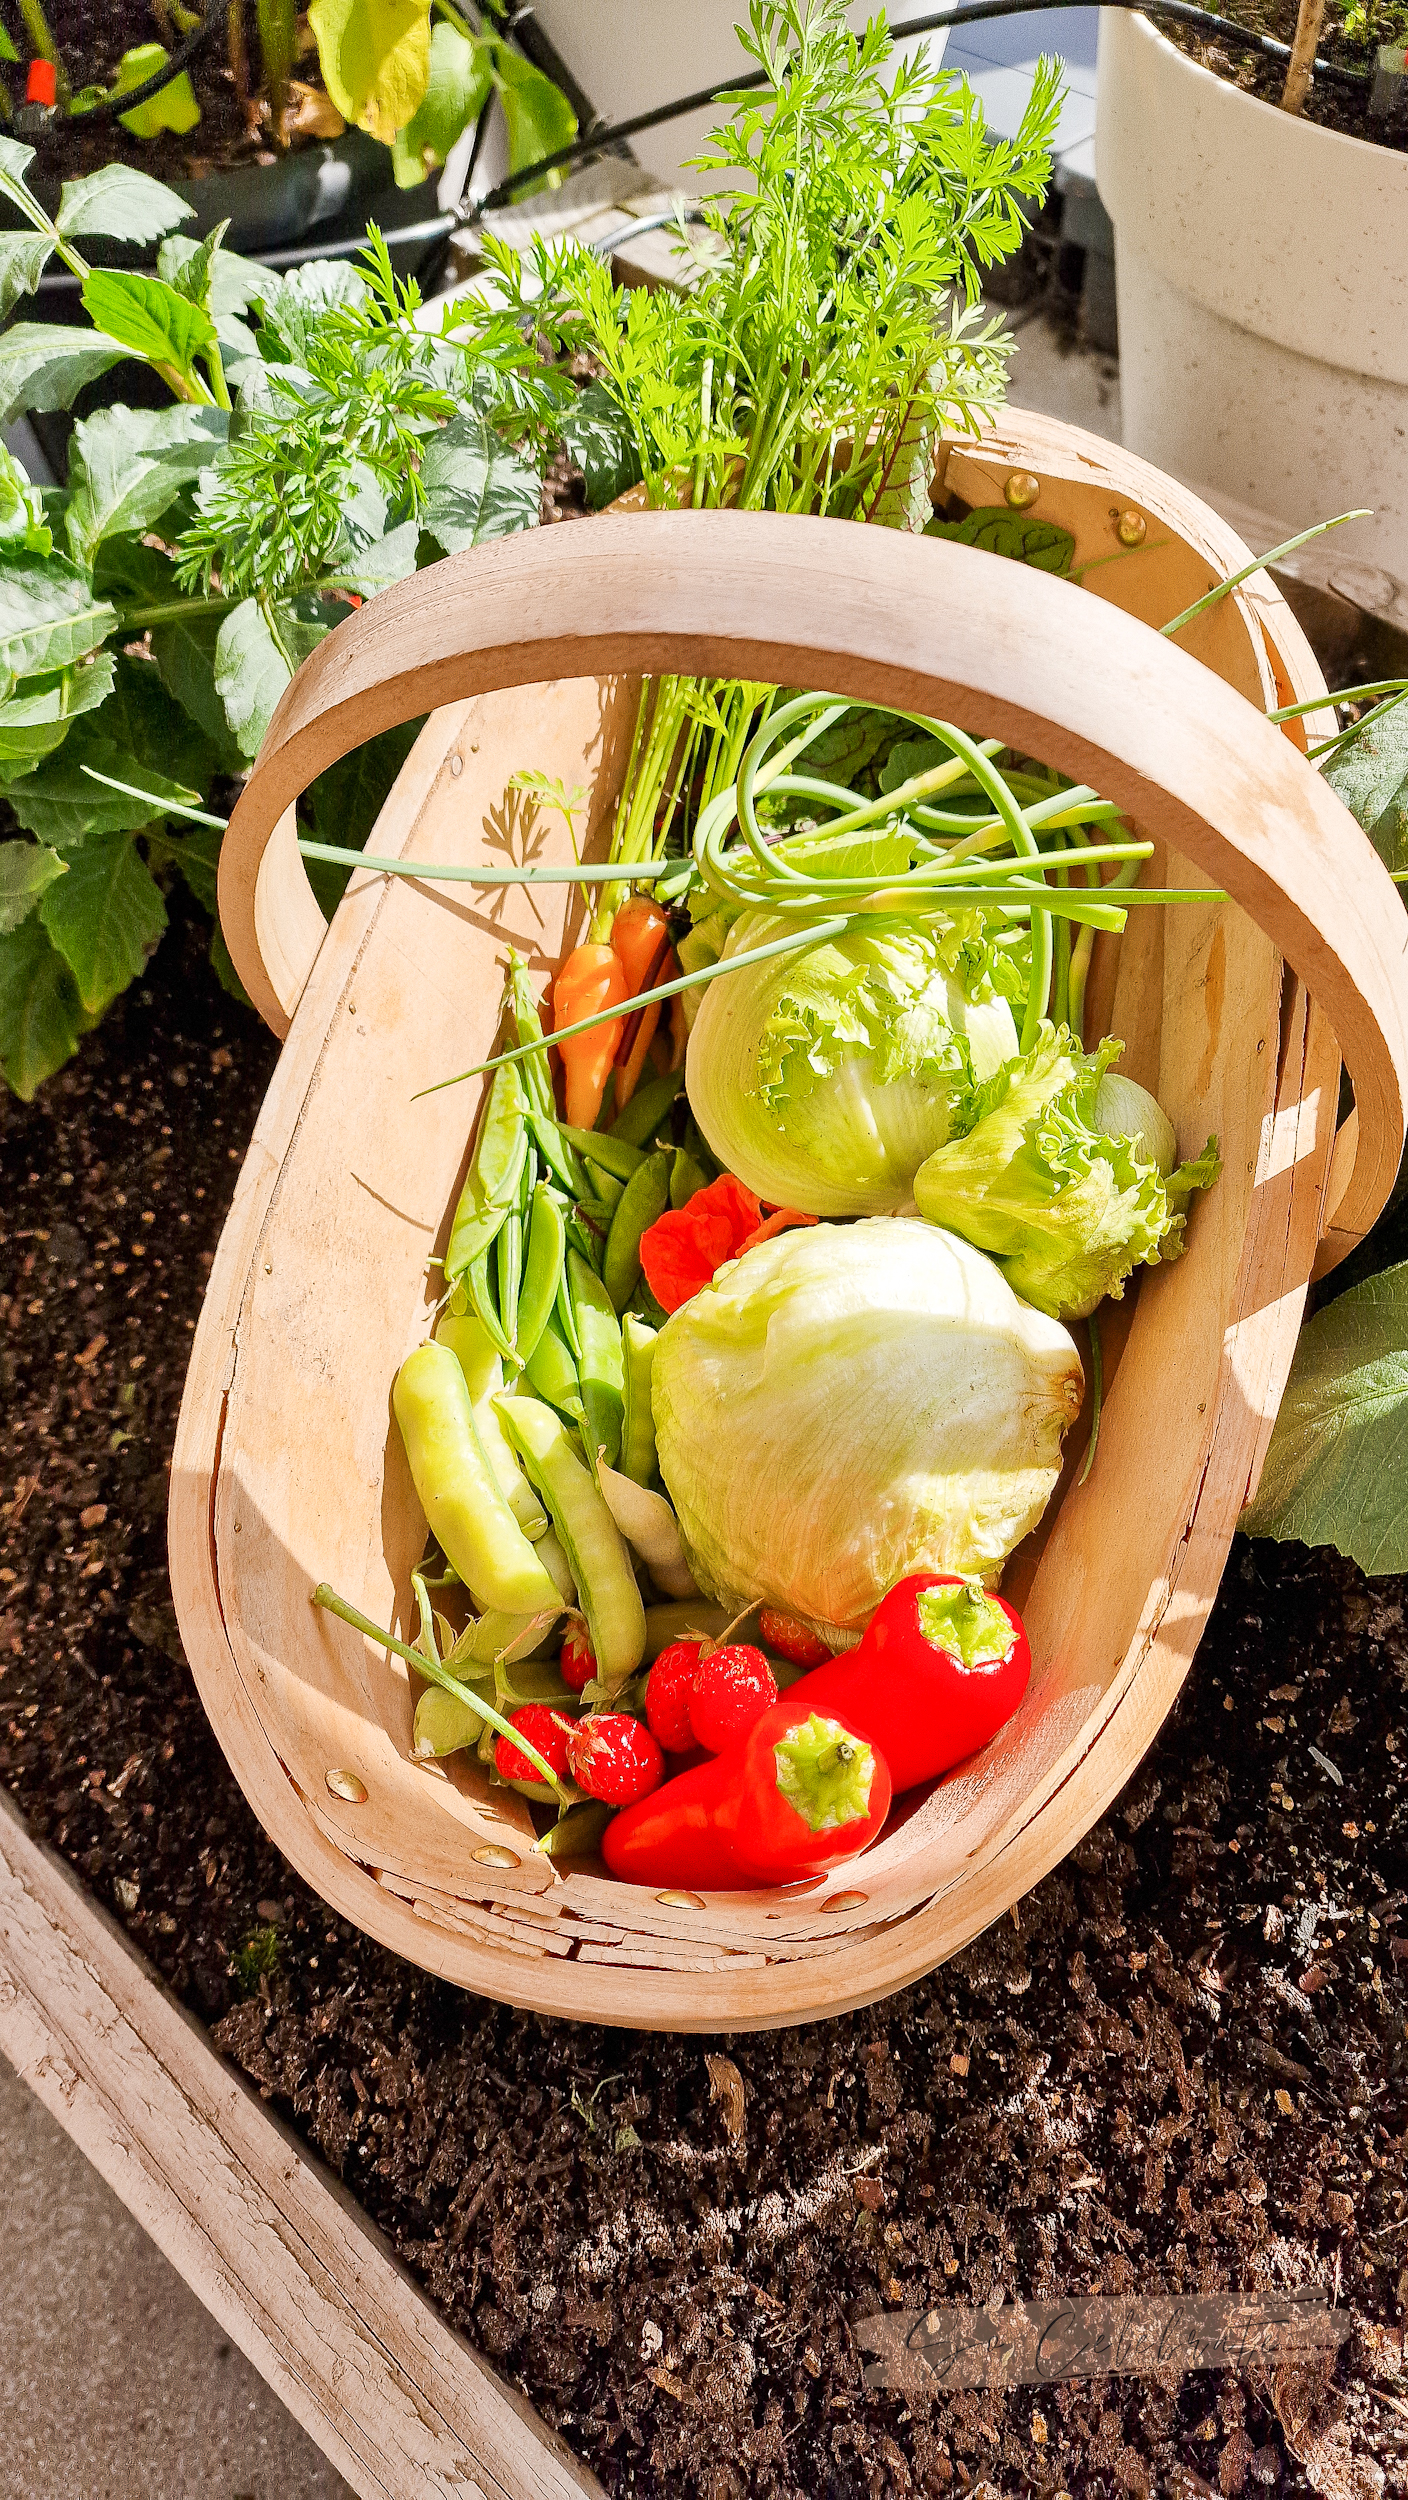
1068	1212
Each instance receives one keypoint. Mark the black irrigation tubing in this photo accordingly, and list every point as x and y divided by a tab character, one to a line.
607	135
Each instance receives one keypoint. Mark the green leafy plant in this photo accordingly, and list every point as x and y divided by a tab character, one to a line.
321	441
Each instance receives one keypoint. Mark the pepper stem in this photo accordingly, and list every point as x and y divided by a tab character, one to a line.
967	1624
824	1773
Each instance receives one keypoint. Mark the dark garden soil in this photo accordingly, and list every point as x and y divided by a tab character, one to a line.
1183	2064
92	36
1370	22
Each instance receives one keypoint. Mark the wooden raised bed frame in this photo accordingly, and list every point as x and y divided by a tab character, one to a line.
287	1468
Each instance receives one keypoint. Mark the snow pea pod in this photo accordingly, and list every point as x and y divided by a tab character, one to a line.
492	1181
647	1108
478	1358
600	1369
542	1269
479	1285
596	1550
462	1499
508	1259
644	1198
578	1833
537	1082
637	1421
687	1175
553	1374
565	1166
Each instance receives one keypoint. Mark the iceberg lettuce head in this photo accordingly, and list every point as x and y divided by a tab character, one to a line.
824	1077
853	1402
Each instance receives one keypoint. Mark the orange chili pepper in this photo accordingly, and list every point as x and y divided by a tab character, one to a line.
591	979
638	933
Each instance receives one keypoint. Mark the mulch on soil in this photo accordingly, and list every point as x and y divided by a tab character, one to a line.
1333	106
92	36
1180	2066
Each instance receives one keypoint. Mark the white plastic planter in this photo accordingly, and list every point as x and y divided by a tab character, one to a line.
631	55
1263	291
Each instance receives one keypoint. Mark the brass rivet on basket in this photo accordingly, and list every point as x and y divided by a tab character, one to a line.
456	765
345	1784
845	1901
493	1855
1021	490
679	1900
1131	529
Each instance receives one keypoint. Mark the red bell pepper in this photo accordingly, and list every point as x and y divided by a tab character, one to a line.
941	1666
795	1795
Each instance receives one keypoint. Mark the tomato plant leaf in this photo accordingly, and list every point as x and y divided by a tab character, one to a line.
384	561
292	307
1337	1466
23	260
148	317
537	115
49	613
43	364
475	486
26	869
219	281
1042	544
105	917
251	671
459	85
1370	774
375	59
127	465
37	718
119	201
600	443
41	1016
62	804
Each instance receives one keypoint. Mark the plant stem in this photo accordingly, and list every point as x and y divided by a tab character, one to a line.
238	50
1300	68
172	611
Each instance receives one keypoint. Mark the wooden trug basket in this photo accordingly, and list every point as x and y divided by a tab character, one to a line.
288	1468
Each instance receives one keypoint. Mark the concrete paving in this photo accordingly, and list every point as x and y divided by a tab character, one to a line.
115	2384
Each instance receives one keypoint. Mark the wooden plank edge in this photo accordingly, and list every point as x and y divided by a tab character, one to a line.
276	2249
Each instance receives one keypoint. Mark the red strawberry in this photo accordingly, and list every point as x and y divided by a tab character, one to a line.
577	1665
791	1639
667	1691
614	1758
543	1728
733	1687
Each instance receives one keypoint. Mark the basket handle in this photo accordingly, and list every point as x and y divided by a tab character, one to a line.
887	619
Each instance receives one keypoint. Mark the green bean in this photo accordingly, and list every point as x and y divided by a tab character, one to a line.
542	1269
478	1358
686	1177
637	1421
461	1496
508	1255
643	1200
647	1109
553	1374
610	1154
491	1183
596	1550
600	1370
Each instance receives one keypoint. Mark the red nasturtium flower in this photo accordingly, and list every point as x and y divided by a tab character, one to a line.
682	1251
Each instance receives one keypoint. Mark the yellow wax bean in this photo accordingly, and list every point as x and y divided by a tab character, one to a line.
460	1494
